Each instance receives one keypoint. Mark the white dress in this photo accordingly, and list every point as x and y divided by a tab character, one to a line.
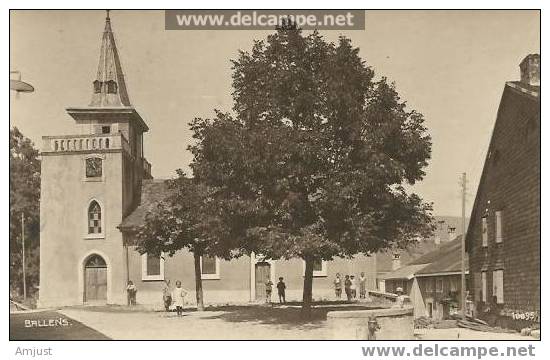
178	294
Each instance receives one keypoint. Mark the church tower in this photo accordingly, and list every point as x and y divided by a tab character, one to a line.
89	182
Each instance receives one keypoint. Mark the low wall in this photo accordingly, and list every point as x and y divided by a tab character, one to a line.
395	324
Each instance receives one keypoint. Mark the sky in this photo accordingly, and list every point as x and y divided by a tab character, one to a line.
449	65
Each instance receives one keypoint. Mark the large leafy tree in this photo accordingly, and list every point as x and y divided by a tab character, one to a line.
187	218
316	157
24	200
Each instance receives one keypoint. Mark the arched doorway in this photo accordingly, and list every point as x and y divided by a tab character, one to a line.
95	279
263	274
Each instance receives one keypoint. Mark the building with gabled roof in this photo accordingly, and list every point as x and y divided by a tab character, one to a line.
432	281
96	190
503	238
447	228
90	182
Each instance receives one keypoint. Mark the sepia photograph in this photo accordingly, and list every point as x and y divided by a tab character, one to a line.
275	175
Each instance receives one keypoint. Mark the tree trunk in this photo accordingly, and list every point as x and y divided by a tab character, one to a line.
308	288
198	282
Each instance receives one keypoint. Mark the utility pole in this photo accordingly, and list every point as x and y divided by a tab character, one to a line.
23	255
463	249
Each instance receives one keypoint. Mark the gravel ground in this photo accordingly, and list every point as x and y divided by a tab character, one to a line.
466	334
195	325
235	322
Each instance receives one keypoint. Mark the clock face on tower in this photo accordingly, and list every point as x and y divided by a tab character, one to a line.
93	167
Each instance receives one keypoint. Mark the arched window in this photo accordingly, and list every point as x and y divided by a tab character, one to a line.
111	87
94	218
97	86
95	261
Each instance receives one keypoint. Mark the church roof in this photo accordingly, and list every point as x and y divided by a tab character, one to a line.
109	94
152	191
109	86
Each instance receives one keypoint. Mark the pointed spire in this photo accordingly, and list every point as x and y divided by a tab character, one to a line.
109	87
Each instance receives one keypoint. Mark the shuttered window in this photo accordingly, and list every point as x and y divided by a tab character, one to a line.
439	285
484	286
498	285
498	226
484	231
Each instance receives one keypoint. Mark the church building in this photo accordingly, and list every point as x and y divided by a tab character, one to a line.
95	192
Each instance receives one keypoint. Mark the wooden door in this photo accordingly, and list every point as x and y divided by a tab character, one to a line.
96	284
95	280
263	274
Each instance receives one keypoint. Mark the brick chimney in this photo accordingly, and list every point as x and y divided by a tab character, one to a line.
530	70
396	261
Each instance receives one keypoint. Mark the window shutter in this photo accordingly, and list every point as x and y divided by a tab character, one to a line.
477	283
484	231
484	286
498	226
498	285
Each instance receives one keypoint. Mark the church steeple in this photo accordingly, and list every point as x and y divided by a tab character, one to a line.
109	88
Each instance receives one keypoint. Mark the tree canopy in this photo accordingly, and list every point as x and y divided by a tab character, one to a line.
24	199
317	154
187	219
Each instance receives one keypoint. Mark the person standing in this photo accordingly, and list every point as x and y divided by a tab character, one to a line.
353	286
338	286
347	287
131	291
167	295
362	286
178	296
281	286
400	300
268	290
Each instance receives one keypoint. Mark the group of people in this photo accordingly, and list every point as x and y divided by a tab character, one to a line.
349	283
175	296
281	287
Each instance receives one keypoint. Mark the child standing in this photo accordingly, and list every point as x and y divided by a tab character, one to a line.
131	291
268	290
167	295
338	286
178	296
353	286
281	286
400	301
347	287
362	286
